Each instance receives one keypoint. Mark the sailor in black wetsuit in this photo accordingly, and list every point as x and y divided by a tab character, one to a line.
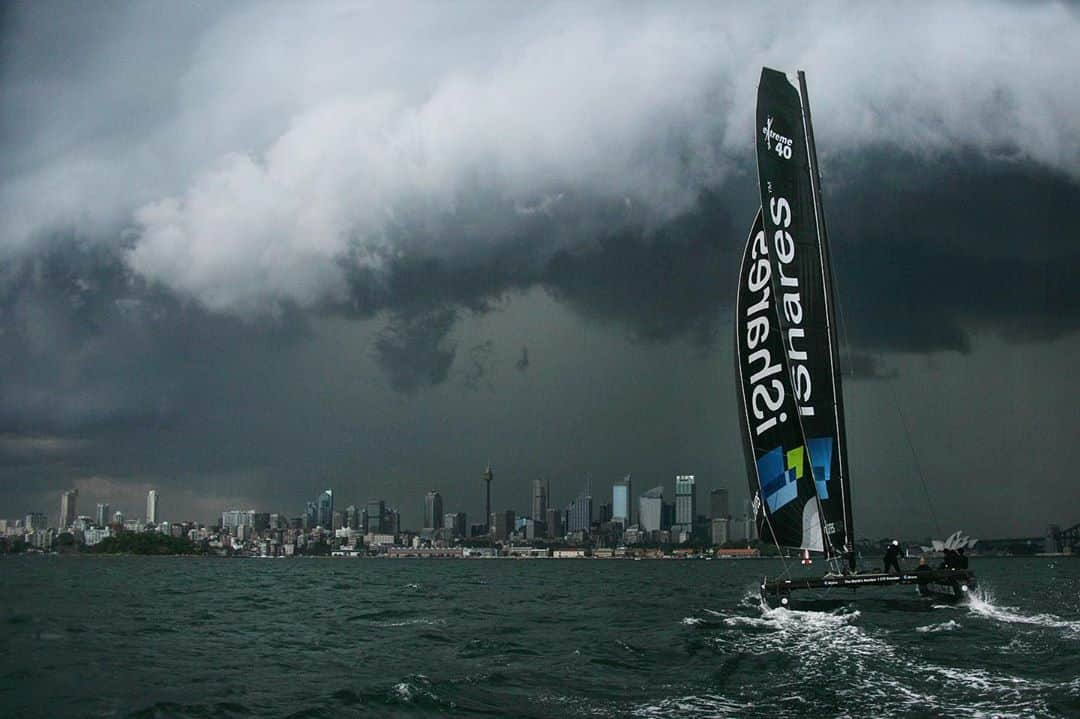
892	557
961	559
951	561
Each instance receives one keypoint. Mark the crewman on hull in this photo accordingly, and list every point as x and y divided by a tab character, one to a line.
892	557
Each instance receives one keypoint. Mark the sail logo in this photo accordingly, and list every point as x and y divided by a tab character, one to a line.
767	391
791	301
821	453
779	472
783	144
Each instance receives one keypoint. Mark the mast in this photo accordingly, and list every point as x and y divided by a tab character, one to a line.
830	315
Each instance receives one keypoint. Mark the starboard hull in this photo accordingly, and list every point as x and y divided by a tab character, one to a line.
950	585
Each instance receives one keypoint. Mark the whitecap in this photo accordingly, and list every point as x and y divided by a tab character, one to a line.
982	604
943	627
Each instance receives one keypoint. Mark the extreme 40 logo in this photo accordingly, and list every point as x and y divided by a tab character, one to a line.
783	144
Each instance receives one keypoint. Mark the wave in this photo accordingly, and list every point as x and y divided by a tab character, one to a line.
891	680
710	705
982	604
943	627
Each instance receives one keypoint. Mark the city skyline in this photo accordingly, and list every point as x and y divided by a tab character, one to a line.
372	269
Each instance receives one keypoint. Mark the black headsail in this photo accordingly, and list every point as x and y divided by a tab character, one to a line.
781	482
794	223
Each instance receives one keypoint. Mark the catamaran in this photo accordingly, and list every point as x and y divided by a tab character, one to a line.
788	367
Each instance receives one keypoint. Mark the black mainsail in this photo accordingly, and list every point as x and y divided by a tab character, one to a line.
788	366
794	226
781	481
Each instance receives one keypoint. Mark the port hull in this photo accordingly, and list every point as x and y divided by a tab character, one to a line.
941	584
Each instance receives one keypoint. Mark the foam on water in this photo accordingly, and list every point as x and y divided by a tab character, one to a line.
827	644
706	705
943	627
982	604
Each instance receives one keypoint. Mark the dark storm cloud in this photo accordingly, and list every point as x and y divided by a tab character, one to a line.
88	344
414	351
190	193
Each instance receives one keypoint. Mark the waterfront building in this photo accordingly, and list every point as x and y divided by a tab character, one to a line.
233	519
719	533
455	523
68	500
554	523
102	515
667	516
621	503
540	493
579	514
353	518
94	535
685	504
152	507
324	507
718	504
35	522
651	510
502	524
339	521
375	516
433	511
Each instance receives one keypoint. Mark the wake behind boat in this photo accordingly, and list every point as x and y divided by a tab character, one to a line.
788	367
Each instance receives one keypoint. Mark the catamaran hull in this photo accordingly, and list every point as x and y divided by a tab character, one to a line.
941	584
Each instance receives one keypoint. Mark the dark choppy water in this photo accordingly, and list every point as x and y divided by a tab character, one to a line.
151	637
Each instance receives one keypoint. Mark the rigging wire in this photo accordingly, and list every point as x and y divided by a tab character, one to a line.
915	457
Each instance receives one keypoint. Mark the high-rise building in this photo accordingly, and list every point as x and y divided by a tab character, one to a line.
35	522
375	517
487	476
352	517
118	518
718	504
152	507
455	522
324	508
311	515
68	501
502	524
720	527
433	511
540	499
667	515
580	512
102	515
621	503
685	503
651	509
233	519
554	523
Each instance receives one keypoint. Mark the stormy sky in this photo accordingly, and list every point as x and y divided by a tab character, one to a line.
248	252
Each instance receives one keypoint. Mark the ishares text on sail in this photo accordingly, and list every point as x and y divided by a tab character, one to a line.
802	385
767	389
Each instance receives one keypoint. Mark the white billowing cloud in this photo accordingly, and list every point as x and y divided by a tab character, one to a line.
305	134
